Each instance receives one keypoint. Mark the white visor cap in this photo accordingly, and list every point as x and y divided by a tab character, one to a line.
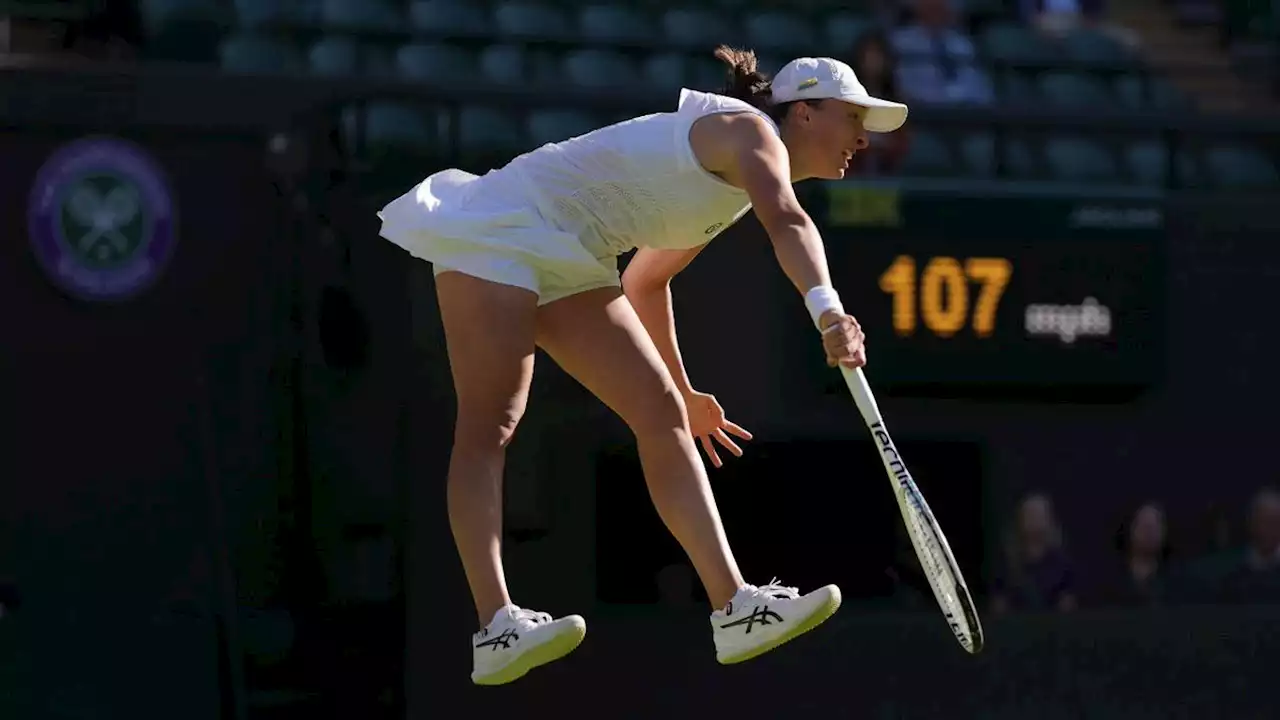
828	79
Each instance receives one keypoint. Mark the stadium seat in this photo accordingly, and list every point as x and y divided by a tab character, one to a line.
697	28
928	155
706	72
594	68
844	29
666	70
434	62
521	18
504	64
156	13
392	125
182	30
615	23
260	54
361	15
1236	167
778	30
488	131
1019	161
1093	46
1014	43
1074	90
1147	162
334	56
1018	89
1079	160
255	13
548	126
443	17
1159	95
978	154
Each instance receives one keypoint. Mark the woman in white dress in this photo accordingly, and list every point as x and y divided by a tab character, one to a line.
525	257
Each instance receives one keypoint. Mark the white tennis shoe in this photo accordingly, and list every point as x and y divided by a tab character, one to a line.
759	619
520	640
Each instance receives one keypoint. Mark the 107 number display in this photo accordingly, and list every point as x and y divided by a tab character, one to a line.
940	294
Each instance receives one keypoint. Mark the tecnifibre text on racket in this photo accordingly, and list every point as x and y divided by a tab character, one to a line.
931	545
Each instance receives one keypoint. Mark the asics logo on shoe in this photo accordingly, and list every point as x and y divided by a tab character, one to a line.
504	640
761	614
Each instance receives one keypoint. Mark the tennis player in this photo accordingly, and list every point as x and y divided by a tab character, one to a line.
526	256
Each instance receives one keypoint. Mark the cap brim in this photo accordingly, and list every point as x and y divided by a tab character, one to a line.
883	116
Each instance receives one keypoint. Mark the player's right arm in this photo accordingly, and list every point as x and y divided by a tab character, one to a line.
745	150
753	157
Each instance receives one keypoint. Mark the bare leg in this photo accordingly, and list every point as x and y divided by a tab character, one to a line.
597	337
490	333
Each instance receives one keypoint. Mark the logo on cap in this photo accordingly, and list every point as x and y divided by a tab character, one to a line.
807	84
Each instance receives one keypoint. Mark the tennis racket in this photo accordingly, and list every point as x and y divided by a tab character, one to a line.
931	545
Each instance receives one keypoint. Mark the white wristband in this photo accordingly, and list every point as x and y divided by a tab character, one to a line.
820	300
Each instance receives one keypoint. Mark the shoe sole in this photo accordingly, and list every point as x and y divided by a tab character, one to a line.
819	615
549	651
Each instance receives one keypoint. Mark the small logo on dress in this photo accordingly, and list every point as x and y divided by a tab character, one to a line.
713	229
101	219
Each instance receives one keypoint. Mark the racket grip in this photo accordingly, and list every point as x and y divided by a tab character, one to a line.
862	396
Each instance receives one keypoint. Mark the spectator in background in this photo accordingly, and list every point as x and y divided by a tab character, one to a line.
874	62
1257	578
1037	574
936	58
1140	577
1056	17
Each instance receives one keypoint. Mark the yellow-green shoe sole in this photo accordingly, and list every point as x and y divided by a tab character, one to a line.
819	616
549	651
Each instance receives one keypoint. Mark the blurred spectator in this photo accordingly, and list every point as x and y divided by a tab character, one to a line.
937	59
1037	574
1056	18
1241	575
874	62
1059	16
1257	578
1139	578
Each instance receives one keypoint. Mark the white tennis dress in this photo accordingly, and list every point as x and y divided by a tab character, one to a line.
554	220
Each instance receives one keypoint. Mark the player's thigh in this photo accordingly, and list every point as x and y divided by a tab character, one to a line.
597	338
489	330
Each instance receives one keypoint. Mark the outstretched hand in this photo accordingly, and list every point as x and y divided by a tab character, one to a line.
707	421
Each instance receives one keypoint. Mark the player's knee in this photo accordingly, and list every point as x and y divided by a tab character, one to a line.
657	414
490	430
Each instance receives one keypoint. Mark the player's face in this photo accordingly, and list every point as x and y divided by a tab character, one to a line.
835	132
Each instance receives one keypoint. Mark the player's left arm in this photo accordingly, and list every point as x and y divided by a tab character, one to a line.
647	285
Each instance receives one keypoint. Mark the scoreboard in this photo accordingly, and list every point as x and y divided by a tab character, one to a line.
967	291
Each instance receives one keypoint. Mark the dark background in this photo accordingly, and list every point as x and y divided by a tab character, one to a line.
224	497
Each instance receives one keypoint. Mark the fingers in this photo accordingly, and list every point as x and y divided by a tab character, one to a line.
710	450
724	440
736	429
844	343
859	358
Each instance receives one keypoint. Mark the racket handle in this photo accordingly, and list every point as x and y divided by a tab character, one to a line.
862	396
